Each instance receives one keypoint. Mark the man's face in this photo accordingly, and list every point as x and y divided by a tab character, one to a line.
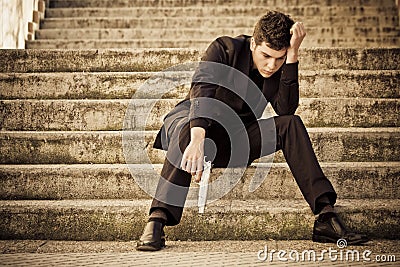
265	59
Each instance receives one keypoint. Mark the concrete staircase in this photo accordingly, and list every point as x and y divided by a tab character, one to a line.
63	174
188	23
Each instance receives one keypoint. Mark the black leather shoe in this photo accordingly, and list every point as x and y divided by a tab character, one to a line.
153	237
328	228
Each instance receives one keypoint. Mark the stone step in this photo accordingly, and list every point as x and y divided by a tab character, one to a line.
223	220
219	10
147	114
212	22
132	60
179	3
350	144
160	59
360	42
352	180
125	85
209	34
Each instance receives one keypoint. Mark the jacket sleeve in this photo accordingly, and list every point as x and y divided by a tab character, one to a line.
286	99
216	52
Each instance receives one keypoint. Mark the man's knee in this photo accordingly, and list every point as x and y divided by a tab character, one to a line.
288	119
293	117
289	123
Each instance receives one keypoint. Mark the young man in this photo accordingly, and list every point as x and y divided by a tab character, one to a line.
270	59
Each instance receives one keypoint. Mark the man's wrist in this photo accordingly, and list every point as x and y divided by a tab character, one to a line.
292	56
197	133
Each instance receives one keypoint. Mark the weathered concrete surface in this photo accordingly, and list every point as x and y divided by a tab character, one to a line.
276	210
349	112
164	3
219	10
97	85
194	24
147	114
330	145
123	60
340	83
361	42
125	85
210	22
94	60
355	180
209	34
236	220
77	115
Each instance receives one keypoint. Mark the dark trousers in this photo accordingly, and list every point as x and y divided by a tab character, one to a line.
291	136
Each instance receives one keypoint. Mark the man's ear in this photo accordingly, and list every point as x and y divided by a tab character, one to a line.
252	44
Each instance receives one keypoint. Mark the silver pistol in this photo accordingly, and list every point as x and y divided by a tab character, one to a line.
204	185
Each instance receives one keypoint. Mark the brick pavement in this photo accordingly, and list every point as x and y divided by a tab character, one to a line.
162	259
206	253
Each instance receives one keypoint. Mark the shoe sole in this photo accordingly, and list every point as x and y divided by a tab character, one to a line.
148	247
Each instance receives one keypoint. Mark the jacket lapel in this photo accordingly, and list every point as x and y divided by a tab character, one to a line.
242	63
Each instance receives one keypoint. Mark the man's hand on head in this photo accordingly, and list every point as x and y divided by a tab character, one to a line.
298	33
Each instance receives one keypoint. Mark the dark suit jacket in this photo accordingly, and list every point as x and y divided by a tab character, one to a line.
281	89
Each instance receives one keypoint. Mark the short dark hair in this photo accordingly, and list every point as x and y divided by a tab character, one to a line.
274	29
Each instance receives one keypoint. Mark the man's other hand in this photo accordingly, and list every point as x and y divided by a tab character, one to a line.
298	33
